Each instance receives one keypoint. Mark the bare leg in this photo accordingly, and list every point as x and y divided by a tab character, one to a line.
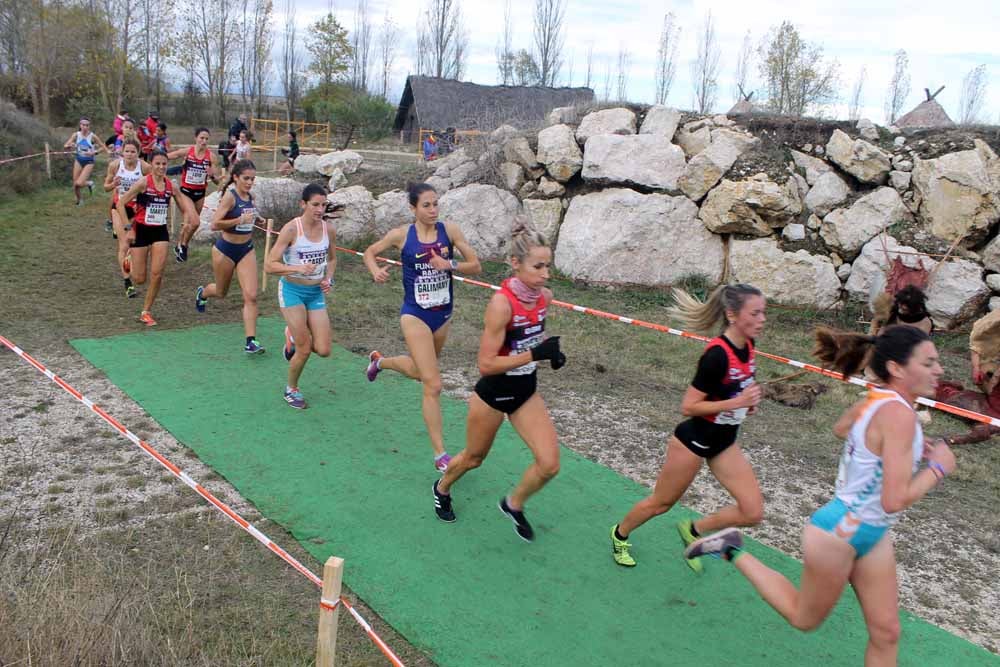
424	347
319	329
678	471
298	324
223	269
480	430
246	271
123	242
139	264
535	427
733	471
157	260
874	581
76	180
190	211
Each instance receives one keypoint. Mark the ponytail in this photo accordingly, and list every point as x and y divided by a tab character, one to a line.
848	352
705	317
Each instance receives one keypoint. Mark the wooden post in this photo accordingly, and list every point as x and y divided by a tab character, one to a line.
329	612
267	251
275	161
48	161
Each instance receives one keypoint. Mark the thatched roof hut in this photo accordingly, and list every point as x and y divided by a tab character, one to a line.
926	114
745	105
433	103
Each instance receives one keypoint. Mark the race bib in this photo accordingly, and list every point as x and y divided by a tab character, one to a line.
245	227
524	345
196	175
156	214
125	183
732	417
431	289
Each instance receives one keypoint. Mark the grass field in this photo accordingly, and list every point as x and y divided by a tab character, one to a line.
612	403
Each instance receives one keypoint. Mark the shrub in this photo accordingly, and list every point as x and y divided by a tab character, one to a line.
23	134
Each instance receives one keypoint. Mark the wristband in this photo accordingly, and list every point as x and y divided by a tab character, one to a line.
937	469
454	265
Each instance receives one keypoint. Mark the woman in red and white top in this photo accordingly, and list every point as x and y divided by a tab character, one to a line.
513	342
123	173
200	165
720	397
149	250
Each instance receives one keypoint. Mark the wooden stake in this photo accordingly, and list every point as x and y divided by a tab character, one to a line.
326	642
48	161
267	251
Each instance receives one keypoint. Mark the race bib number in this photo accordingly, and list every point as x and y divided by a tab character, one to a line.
125	183
156	214
246	226
431	289
524	345
196	176
732	417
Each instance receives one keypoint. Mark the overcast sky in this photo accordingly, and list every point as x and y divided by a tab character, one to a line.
944	41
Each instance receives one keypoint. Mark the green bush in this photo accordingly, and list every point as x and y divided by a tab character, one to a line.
362	115
23	134
87	107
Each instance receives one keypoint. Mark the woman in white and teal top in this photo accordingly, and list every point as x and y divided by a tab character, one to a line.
85	145
848	538
303	255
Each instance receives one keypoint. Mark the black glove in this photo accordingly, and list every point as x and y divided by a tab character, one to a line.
558	361
547	349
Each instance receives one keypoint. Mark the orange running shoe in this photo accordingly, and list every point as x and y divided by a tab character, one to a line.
127	264
147	319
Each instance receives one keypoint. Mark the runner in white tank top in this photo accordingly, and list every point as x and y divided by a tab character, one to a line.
846	539
304	251
118	180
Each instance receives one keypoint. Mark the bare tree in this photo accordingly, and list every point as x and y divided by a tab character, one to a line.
116	26
505	50
744	68
970	103
899	87
254	48
155	38
204	47
705	67
361	46
666	57
607	80
621	74
549	38
590	64
568	82
854	106
446	40
291	62
794	72
387	39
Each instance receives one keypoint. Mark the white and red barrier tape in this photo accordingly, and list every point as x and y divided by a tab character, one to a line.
25	157
207	495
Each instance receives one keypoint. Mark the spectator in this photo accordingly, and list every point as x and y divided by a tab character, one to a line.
291	152
161	140
147	134
119	119
226	148
239	125
430	147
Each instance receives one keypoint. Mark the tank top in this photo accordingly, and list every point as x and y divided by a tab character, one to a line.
242	150
85	145
739	376
859	478
237	210
127	178
152	205
194	172
423	285
525	330
304	251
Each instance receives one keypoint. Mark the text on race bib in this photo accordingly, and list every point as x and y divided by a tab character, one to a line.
431	289
156	214
196	175
246	226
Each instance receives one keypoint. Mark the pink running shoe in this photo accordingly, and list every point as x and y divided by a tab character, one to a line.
373	358
441	462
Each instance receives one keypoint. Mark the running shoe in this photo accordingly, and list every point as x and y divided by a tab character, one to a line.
253	347
199	300
687	537
717	544
294	398
373	368
109	227
130	291
619	550
180	253
442	505
147	319
90	186
521	525
289	350
127	263
441	462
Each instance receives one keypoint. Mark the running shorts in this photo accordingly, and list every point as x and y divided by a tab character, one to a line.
234	251
704	438
836	519
147	235
194	195
291	294
506	393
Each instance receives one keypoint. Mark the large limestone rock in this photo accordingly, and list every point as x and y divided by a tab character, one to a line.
337	180
306	164
485	215
441	185
204	233
278	198
518	150
866	162
829	192
559	152
563	116
512	176
694	137
463	174
549	188
868	271
846	230
756	206
956	196
661	120
392	209
709	166
867	129
545	215
357	222
619	235
503	134
990	255
794	278
347	161
638	159
606	121
813	166
956	293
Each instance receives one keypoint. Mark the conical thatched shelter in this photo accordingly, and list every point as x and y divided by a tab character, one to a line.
744	106
926	114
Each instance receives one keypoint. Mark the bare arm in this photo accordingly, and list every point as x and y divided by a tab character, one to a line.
498	313
137	188
174	154
394	239
894	427
843	425
331	258
111	176
226	204
71	141
274	263
694	404
470	264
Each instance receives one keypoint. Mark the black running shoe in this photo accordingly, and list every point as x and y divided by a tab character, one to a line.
109	227
442	505
180	253
521	525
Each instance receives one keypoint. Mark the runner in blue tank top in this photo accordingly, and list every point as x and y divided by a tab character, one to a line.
427	250
86	145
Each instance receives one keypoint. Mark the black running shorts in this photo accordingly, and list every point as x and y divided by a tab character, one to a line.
193	195
704	438
147	235
506	393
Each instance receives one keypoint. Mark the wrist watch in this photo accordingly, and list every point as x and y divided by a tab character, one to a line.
454	264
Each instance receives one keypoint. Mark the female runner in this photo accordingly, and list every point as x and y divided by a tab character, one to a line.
243	147
720	397
199	166
123	173
847	539
86	144
149	249
233	251
303	255
427	253
513	342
